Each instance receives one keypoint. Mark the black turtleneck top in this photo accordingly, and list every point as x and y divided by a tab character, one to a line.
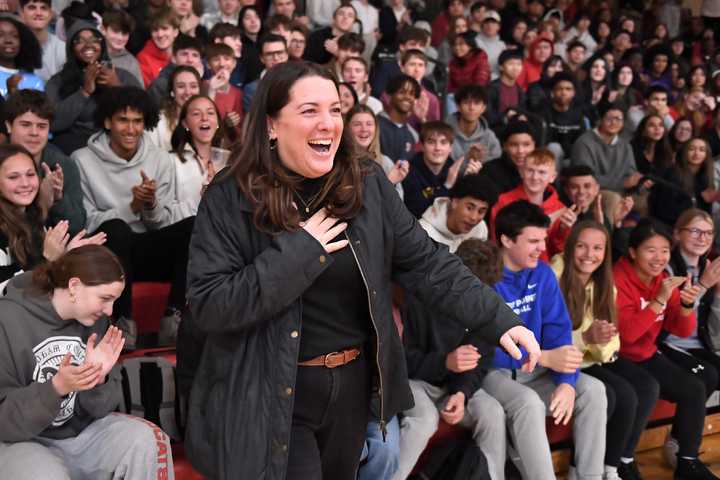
335	313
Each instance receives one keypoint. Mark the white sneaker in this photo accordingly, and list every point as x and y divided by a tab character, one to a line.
670	450
611	473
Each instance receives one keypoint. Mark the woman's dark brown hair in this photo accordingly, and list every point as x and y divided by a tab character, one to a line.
92	264
23	228
267	184
573	288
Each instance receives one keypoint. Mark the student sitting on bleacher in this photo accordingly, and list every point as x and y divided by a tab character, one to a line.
23	243
529	287
433	172
694	233
59	382
584	272
20	56
538	173
648	301
129	193
446	365
517	143
196	151
460	216
74	90
184	82
470	126
186	51
28	115
364	129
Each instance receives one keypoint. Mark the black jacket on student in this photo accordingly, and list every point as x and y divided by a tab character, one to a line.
668	198
428	338
244	291
679	268
421	186
495	112
503	173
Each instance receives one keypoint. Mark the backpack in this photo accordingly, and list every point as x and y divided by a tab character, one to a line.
459	459
149	392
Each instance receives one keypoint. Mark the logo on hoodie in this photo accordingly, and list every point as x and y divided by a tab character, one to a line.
48	356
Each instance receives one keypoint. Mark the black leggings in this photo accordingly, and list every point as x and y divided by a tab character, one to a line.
682	383
330	417
157	255
631	394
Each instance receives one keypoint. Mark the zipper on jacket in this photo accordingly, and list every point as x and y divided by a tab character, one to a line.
383	427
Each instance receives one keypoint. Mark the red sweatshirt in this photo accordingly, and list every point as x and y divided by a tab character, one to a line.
151	60
557	234
638	324
532	69
474	69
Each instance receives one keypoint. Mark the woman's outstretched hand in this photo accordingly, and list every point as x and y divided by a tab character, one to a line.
525	338
324	228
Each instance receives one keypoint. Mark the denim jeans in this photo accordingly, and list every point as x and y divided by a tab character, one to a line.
382	457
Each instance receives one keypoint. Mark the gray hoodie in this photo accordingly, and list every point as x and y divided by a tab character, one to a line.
434	222
107	182
127	61
610	162
33	341
482	134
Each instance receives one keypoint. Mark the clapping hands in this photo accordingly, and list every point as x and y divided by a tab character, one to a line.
143	194
57	240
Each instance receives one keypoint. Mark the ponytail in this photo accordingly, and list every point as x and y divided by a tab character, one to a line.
92	264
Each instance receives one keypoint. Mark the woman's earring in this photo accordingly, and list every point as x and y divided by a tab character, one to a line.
273	143
73	299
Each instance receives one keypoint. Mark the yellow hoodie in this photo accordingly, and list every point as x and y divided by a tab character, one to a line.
593	353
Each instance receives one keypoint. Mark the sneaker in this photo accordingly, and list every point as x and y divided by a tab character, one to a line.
692	470
670	450
611	473
629	471
129	329
169	324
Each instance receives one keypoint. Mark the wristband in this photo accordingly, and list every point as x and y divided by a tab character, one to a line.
659	302
703	286
689	306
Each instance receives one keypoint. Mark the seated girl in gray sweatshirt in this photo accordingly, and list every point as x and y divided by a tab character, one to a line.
59	382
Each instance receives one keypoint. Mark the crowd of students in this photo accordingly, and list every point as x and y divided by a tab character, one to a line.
565	150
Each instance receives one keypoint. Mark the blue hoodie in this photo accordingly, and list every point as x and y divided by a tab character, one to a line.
534	295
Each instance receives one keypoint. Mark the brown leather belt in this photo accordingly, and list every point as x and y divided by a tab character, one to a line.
332	360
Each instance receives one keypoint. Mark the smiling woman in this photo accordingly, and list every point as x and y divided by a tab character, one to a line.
289	279
20	54
75	89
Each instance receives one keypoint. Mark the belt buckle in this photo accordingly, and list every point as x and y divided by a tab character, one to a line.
327	358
